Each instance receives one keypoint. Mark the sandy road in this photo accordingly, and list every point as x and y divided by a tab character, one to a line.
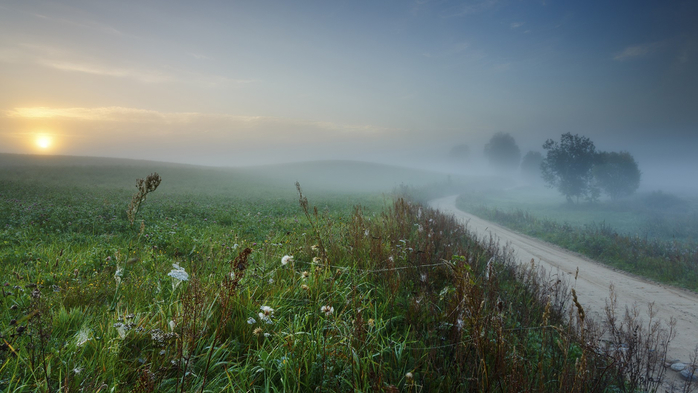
594	280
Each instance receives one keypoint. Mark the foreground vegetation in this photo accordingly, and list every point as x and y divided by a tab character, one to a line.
658	241
236	286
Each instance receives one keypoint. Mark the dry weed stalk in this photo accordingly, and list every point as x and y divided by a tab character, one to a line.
303	201
144	186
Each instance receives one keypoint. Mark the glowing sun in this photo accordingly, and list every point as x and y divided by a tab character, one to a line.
43	142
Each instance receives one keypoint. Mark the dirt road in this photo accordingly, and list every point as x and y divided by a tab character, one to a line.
594	279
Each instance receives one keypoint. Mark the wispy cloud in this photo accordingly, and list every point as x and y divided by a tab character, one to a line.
194	119
199	56
470	7
516	25
141	75
65	60
636	51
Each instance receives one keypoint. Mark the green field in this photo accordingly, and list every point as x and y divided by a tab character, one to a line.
200	293
652	215
652	234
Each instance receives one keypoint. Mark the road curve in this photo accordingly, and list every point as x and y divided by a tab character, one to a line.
594	279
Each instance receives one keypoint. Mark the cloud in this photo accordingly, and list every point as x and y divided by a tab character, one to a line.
147	76
136	116
64	60
471	7
636	51
516	25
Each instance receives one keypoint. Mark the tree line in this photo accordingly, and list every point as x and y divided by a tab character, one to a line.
572	165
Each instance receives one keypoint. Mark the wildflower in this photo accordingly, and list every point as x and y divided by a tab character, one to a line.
271	281
366	233
251	321
117	275
257	331
267	335
409	376
371	322
172	325
305	274
328	310
267	310
77	370
266	314
178	273
305	287
314	247
317	260
286	259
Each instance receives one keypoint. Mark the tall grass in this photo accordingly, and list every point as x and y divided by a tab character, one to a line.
219	293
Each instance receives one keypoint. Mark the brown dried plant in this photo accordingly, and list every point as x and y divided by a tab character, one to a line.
144	186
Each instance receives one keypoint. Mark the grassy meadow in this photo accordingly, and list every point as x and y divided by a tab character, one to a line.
653	234
233	280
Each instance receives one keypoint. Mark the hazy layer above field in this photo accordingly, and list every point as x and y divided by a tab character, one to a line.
318	176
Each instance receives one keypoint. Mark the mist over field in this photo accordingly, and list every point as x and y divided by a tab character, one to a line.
398	83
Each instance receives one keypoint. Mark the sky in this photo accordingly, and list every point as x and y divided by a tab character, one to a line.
255	82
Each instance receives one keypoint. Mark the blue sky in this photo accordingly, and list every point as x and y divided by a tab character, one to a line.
248	82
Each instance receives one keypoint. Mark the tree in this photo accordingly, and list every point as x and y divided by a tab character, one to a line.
568	165
502	152
617	174
530	166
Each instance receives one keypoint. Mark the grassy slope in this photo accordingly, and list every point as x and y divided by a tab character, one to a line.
653	235
87	303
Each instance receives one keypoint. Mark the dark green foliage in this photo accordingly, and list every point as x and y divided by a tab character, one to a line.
617	174
502	152
568	164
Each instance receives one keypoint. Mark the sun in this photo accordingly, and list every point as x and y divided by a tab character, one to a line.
43	142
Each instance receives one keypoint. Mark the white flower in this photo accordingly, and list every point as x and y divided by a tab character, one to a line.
77	370
251	321
314	247
286	259
316	260
328	310
271	281
267	310
178	273
172	325
409	376
266	314
118	274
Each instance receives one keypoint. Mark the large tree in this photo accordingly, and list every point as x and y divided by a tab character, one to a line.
617	174
568	165
502	152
